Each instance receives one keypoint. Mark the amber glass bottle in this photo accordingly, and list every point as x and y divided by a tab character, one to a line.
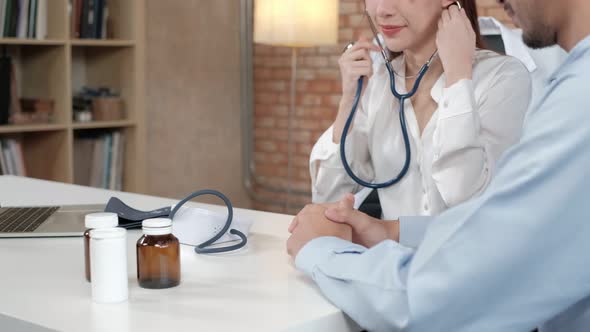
158	255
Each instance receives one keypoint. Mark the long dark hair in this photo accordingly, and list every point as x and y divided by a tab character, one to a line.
471	11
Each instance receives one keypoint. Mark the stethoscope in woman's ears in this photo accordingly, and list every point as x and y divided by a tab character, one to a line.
402	116
192	226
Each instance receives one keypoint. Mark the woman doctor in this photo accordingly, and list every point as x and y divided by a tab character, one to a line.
468	109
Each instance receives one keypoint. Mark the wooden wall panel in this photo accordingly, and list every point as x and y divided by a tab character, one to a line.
193	98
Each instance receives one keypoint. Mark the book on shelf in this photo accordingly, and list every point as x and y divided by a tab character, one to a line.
12	160
98	160
9	101
2	16
75	18
32	14
41	19
15	107
24	18
89	19
11	11
5	88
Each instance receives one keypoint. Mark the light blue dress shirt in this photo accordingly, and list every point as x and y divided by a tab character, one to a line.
508	260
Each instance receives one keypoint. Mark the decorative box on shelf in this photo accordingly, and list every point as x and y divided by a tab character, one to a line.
102	104
33	111
107	108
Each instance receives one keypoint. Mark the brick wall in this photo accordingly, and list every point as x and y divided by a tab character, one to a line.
491	8
318	91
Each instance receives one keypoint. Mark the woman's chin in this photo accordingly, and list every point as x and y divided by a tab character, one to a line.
395	46
396	49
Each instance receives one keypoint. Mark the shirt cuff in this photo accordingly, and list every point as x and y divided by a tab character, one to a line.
320	250
327	151
412	230
457	99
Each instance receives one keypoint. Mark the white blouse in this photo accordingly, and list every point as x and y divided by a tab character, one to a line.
452	160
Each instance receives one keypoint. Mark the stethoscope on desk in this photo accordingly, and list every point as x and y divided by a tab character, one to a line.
402	115
132	218
205	247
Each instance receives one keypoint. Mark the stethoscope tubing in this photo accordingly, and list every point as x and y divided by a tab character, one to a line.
403	124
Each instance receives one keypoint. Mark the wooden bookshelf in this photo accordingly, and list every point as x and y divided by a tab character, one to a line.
103	43
28	41
15	129
58	66
104	124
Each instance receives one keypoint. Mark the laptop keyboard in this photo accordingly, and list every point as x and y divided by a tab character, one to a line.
24	220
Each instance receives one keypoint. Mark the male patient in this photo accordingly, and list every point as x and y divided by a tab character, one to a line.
510	260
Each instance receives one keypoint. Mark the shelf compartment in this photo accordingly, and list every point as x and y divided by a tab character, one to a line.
41	72
121	21
46	154
93	156
96	67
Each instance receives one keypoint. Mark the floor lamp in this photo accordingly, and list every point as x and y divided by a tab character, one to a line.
295	24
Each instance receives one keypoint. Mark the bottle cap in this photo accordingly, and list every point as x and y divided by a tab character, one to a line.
108	233
157	226
157	223
101	220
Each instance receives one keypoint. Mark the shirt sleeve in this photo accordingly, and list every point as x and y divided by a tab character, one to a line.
412	230
471	135
507	260
329	180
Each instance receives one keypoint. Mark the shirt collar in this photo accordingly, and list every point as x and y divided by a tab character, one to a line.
399	66
437	89
512	39
580	50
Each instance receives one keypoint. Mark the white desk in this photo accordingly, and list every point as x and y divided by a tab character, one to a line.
256	289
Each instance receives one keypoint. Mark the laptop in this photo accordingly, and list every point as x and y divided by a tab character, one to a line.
45	221
66	221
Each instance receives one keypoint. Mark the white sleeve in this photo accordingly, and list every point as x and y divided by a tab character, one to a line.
471	135
329	180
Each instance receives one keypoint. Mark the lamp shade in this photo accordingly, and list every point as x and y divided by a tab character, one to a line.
296	23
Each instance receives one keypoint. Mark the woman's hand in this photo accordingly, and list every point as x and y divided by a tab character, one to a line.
354	63
455	41
366	231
